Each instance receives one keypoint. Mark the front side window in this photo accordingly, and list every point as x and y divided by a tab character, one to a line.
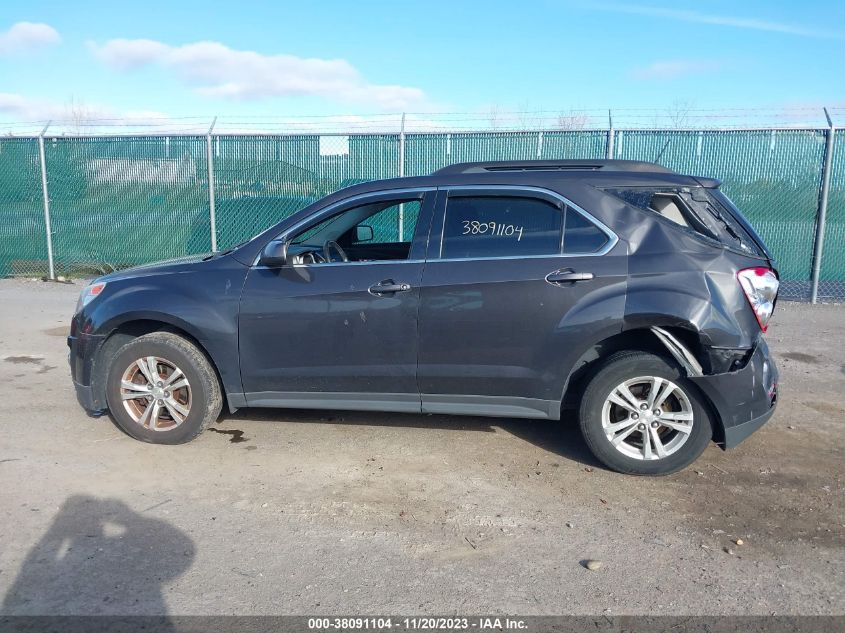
500	226
375	231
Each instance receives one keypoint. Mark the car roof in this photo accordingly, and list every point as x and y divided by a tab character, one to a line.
554	175
478	167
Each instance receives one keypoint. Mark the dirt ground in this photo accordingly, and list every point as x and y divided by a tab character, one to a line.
298	512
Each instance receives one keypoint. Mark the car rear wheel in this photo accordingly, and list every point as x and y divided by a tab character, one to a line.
640	415
162	389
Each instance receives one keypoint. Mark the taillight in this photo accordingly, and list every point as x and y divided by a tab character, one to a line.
761	289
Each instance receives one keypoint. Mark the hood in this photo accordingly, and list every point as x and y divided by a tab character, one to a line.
168	266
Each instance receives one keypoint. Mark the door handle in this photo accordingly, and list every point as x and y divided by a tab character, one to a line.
388	287
567	275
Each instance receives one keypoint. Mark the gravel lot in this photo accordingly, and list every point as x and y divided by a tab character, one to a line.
297	512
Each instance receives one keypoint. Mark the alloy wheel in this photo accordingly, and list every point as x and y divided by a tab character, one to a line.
155	393
647	418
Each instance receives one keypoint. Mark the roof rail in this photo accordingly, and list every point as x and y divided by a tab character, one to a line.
552	165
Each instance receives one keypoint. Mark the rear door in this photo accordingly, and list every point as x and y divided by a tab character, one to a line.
510	278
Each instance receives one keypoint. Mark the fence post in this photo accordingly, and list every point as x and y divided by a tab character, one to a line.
46	195
401	216
212	216
610	135
822	212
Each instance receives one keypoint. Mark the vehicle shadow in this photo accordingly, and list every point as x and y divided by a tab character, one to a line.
563	438
99	557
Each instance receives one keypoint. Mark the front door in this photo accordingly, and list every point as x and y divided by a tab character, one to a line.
336	327
508	297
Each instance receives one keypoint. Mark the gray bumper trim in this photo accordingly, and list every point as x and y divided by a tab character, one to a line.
736	434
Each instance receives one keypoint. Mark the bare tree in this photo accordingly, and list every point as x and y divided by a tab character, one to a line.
522	119
78	115
572	120
527	119
494	116
678	113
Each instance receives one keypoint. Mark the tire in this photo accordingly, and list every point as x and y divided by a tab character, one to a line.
184	411
683	407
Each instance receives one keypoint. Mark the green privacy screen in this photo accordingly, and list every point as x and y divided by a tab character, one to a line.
23	240
832	278
122	201
773	176
425	153
259	181
117	202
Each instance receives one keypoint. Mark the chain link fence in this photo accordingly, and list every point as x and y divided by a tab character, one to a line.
23	241
832	274
774	176
119	201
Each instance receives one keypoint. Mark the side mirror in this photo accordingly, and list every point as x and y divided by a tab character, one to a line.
363	233
275	254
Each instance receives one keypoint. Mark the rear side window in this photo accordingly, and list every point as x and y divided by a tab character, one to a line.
695	209
665	203
582	237
500	226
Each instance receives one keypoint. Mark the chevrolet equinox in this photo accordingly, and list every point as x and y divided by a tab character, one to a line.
620	292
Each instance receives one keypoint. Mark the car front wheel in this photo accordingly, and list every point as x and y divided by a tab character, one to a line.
640	415
162	389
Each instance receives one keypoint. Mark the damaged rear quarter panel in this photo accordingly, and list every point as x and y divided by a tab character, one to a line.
680	280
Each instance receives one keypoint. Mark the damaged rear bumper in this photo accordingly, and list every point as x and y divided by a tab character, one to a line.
735	434
743	399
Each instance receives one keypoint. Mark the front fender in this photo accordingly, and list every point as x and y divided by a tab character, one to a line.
203	303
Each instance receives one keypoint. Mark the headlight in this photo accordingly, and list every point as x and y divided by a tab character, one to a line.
89	293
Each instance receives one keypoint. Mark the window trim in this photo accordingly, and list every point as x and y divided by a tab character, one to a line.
353	201
504	190
336	208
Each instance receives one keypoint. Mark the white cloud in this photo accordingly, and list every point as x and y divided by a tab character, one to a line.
128	54
215	70
684	15
21	114
20	108
27	36
672	69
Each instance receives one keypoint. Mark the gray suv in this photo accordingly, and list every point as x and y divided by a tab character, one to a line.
617	293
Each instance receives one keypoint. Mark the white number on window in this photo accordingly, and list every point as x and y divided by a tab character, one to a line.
492	229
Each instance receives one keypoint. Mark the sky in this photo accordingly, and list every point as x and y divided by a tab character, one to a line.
249	61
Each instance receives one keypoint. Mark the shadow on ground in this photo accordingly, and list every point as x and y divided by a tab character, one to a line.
99	557
562	437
